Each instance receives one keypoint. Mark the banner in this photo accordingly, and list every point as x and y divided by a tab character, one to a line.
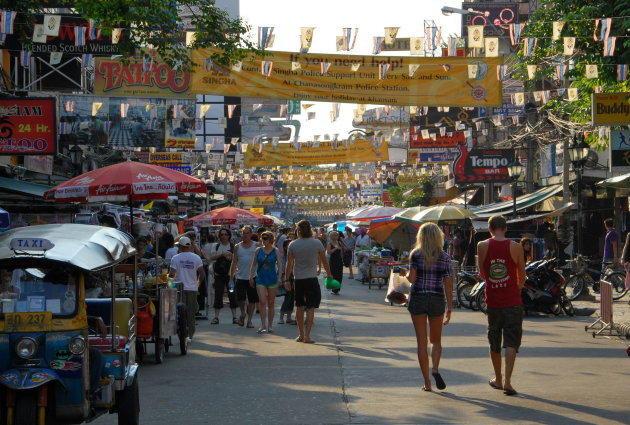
438	81
140	78
611	108
180	124
252	193
28	126
326	153
305	189
439	155
494	16
449	140
166	158
483	165
447	117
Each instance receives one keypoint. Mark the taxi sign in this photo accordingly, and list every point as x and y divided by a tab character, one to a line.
31	244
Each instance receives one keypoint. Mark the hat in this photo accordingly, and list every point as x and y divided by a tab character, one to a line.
184	241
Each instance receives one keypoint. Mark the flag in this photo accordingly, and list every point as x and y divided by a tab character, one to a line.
501	72
349	45
25	58
560	70
452	46
324	67
557	29
382	70
378	45
295	66
96	106
355	66
93	32
147	63
518	99
515	33
605	32
51	25
475	36
39	36
545	95
591	71
572	94
116	33
86	59
390	34
265	37
433	35
416	45
69	105
569	45
609	46
531	71
79	36
124	108
622	72
7	19
529	46
266	67
226	147
306	38
230	110
3	38
598	89
491	46
55	58
442	131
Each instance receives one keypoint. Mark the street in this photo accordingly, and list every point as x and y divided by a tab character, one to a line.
363	370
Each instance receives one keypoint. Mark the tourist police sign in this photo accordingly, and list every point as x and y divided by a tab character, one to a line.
611	108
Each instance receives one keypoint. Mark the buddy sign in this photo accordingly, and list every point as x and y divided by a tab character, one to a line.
381	80
611	108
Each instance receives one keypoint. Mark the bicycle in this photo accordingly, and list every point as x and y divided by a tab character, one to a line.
585	275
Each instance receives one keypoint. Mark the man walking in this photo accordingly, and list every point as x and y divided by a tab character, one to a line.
187	268
239	272
303	257
501	263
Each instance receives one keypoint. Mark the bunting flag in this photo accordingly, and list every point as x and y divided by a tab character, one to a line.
598	89
491	45
424	134
452	46
93	32
529	46
306	38
591	71
609	46
265	37
382	70
515	33
55	58
237	66
230	110
7	19
561	91
545	95
3	38
340	43
266	67
69	105
501	72
260	149
124	108
116	33
64	127
572	94
569	45
203	109
147	63
390	34
484	131
25	58
416	46
234	140
560	70
324	67
433	37
472	71
442	131
191	37
39	36
515	119
378	45
295	66
51	25
348	39
478	125
557	29
243	147
334	113
425	110
622	72
355	66
226	147
475	36
79	36
96	106
605	32
531	71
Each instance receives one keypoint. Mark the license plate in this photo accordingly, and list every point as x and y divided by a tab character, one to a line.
27	322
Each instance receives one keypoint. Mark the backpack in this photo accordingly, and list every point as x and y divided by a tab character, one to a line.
222	265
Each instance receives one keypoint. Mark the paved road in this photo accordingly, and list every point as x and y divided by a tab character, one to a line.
363	370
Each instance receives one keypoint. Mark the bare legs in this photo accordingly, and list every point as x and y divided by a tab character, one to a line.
266	305
510	359
304	327
435	336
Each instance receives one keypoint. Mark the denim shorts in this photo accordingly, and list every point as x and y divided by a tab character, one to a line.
432	305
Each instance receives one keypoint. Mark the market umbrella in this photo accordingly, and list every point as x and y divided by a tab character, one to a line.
372	212
618	182
443	214
4	219
229	216
393	233
407	214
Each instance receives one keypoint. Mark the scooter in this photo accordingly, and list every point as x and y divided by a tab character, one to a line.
543	291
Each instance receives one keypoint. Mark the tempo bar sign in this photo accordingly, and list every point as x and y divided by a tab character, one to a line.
483	165
611	108
27	126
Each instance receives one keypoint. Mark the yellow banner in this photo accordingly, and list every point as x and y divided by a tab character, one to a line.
306	176
381	80
170	158
257	210
611	108
250	201
177	143
325	153
298	189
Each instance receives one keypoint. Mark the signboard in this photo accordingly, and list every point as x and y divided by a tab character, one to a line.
447	117
40	164
482	165
255	193
495	17
166	157
372	189
258	210
295	107
439	155
113	78
611	108
28	126
436	81
186	169
399	45
620	148
180	124
381	118
548	161
509	110
326	153
449	140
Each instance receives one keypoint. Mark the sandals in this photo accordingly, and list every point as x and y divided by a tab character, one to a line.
215	321
494	385
262	330
439	382
250	325
281	322
425	388
509	391
235	321
299	339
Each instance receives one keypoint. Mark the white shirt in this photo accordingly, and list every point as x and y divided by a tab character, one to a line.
172	251
362	240
185	265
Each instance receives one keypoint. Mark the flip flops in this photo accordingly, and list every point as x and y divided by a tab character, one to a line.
262	331
250	325
439	382
509	391
234	321
215	321
494	385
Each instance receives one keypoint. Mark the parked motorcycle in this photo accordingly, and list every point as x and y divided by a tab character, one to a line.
544	289
466	281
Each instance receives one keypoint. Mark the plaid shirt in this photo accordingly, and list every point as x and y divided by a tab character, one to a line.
430	280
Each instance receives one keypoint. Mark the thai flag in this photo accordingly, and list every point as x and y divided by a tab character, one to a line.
622	72
107	125
442	131
69	106
378	45
609	46
266	67
147	63
63	127
598	89
79	36
25	58
545	94
501	72
124	108
433	37
324	67
93	32
382	70
86	59
452	46
265	35
226	147
560	70
530	46
7	18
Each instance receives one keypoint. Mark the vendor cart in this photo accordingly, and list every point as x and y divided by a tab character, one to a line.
378	273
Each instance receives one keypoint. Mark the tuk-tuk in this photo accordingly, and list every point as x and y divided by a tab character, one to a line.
66	358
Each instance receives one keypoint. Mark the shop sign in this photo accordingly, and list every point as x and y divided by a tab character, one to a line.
249	201
509	110
620	148
495	17
611	108
28	126
40	164
257	210
449	140
483	165
444	117
166	157
295	107
439	155
375	189
254	188
186	169
383	118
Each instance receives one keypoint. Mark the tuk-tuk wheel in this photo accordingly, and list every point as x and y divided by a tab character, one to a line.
128	401
25	408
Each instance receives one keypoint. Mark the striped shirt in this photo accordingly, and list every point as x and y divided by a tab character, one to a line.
430	280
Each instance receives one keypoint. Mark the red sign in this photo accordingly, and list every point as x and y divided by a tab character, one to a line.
449	140
483	165
254	188
27	126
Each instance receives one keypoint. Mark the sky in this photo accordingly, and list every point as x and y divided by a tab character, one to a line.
329	17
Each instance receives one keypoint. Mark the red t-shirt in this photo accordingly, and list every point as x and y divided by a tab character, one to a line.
502	281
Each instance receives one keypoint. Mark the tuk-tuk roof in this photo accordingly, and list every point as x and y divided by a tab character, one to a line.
81	245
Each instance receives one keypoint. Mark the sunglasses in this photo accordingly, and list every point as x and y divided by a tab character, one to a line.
265	238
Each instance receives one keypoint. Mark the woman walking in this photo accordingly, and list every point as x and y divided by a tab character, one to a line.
348	255
335	253
430	276
264	274
289	296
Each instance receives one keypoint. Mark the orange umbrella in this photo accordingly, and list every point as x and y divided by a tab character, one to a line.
229	216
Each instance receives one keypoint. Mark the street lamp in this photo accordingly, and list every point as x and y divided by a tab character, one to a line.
578	153
514	171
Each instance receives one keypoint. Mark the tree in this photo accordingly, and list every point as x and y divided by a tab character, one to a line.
579	16
153	24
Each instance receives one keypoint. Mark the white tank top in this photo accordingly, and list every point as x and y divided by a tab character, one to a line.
245	258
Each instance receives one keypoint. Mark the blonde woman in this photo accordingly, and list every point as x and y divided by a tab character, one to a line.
432	286
265	275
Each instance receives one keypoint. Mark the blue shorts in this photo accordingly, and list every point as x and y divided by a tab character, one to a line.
432	305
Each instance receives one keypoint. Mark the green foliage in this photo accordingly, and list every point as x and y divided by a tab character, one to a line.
396	195
422	195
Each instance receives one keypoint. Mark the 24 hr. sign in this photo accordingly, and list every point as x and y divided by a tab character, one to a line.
483	165
27	126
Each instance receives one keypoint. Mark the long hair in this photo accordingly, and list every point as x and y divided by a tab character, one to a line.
430	242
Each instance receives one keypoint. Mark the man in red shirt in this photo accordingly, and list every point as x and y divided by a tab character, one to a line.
501	263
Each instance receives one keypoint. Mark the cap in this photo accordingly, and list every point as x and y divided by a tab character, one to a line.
184	241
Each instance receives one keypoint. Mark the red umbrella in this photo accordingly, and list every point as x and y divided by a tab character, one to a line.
124	181
229	216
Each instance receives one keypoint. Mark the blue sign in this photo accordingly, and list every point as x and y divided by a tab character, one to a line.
437	155
509	110
186	169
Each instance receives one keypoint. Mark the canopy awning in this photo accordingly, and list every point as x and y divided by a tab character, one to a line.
22	188
464	198
522	202
617	182
483	225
